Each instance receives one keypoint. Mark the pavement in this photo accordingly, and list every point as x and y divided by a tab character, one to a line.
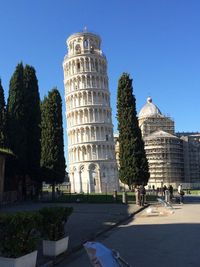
157	236
87	222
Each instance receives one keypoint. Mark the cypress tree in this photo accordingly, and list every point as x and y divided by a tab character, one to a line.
24	118
32	122
16	116
2	118
132	158
52	145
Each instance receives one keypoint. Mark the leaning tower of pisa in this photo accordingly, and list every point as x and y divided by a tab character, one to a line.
92	163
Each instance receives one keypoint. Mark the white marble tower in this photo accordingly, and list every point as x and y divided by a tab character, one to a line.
92	163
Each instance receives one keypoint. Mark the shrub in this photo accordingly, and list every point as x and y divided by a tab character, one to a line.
18	233
53	222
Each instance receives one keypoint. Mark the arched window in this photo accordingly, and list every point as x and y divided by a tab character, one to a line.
78	49
78	66
96	65
85	44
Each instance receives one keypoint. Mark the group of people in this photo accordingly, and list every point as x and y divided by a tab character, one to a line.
168	193
140	195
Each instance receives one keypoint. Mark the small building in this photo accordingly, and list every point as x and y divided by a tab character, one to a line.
3	155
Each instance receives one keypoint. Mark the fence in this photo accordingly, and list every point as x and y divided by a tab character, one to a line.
8	197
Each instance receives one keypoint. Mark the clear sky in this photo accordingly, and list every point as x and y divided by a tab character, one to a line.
156	41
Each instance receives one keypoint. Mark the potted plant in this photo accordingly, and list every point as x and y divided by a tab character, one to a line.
53	229
18	239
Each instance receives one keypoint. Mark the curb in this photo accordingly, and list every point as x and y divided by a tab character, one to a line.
54	261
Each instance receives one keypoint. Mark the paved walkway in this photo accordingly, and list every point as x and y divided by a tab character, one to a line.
160	238
86	222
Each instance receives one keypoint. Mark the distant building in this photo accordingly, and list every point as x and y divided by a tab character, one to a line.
151	120
92	163
163	148
191	148
172	158
164	152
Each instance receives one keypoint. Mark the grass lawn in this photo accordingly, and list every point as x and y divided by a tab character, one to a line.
99	198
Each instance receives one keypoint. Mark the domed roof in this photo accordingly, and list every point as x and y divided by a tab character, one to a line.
149	110
160	134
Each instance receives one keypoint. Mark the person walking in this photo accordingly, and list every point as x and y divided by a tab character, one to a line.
181	193
167	196
142	194
137	196
179	188
164	188
171	190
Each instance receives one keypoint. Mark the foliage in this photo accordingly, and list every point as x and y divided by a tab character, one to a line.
17	233
32	121
6	151
2	118
23	124
88	198
16	113
100	198
52	144
132	158
53	222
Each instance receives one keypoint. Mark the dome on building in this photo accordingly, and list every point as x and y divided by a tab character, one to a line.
149	110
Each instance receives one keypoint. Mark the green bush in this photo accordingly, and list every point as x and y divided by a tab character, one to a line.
18	233
89	198
53	222
100	198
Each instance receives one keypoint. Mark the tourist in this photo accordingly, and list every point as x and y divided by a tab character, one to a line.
142	194
182	193
137	196
170	192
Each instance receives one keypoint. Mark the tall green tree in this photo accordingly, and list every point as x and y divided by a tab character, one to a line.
132	158
16	118
2	118
32	122
23	120
52	145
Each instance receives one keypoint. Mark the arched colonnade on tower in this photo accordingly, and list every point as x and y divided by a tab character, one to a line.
88	115
87	152
93	177
85	64
84	98
86	81
87	133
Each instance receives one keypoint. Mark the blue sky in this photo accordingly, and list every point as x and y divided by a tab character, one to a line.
156	41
